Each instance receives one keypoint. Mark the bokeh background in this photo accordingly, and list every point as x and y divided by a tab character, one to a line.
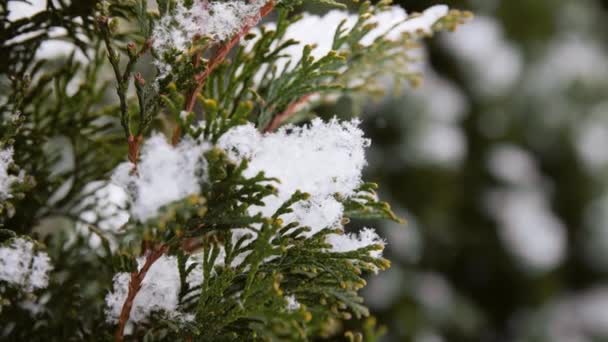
499	164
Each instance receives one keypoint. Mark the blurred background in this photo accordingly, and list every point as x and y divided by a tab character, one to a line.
499	164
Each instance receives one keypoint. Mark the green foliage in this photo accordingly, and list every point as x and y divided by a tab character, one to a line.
291	4
365	205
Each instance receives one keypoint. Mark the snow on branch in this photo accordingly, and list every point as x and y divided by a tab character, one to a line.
216	20
164	174
391	24
323	159
23	266
7	180
159	292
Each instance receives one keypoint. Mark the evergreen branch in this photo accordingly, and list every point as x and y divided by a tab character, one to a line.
137	277
279	119
217	60
365	205
222	53
123	79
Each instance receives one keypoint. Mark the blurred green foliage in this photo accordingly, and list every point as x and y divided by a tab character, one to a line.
455	275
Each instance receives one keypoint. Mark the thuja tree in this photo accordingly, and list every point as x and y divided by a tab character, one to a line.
168	179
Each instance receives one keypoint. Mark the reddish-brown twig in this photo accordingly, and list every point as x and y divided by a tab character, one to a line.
137	278
222	53
280	118
217	59
134	147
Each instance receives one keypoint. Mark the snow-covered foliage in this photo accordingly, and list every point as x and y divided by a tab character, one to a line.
353	241
292	303
216	20
159	292
184	26
23	266
6	179
21	9
165	174
318	31
106	209
396	21
323	159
